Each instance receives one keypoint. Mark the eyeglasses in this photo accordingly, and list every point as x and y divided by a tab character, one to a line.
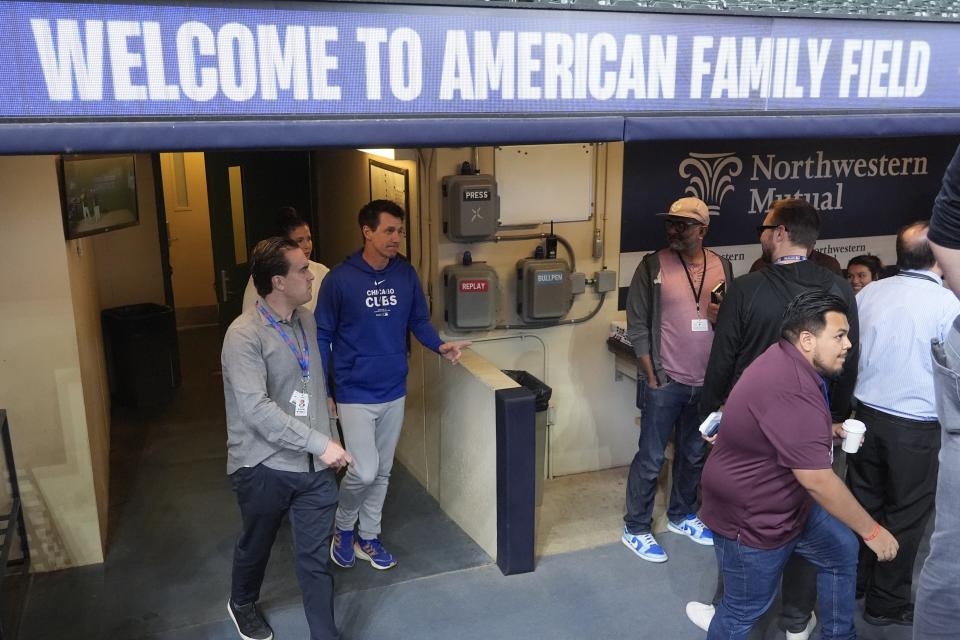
681	225
762	227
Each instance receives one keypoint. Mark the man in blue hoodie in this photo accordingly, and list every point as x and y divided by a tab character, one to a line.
366	306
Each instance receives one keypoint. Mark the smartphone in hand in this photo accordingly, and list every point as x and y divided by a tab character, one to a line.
717	293
711	425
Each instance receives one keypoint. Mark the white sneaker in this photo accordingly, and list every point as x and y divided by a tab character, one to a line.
700	614
808	630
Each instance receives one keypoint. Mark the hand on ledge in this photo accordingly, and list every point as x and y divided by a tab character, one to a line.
451	350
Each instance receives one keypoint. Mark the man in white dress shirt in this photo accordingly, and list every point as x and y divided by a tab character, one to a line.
894	475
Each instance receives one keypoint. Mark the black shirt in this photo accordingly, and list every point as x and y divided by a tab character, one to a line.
749	322
945	222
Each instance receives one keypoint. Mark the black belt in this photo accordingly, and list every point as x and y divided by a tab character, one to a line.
863	409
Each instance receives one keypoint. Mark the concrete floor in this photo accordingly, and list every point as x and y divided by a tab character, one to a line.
174	521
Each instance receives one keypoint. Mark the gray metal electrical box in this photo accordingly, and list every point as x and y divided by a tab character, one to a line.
606	280
544	290
472	292
471	208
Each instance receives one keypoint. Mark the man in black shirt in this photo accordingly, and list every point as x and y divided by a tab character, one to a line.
751	321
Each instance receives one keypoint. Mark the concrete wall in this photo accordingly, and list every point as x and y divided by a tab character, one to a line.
468	447
47	352
342	186
128	260
85	295
592	414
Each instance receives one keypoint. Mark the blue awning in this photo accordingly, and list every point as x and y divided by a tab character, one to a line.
90	137
117	136
747	127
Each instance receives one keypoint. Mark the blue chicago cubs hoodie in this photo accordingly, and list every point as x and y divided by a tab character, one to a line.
362	320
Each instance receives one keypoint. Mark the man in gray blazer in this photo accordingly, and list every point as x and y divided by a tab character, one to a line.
282	455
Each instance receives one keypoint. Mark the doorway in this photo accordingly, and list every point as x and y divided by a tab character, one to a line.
217	207
187	212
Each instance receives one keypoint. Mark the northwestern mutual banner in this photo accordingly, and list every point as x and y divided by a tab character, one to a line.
131	60
864	189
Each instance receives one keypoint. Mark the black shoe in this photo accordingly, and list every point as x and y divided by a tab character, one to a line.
250	623
902	616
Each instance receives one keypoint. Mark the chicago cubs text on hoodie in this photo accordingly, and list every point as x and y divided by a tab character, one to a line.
364	315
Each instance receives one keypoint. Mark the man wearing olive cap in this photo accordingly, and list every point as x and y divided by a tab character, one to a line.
670	325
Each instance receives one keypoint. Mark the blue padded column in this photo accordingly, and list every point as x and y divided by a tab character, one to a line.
516	464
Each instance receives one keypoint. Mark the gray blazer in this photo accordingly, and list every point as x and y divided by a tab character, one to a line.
260	373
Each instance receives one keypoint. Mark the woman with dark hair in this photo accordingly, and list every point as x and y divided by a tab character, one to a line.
862	270
290	225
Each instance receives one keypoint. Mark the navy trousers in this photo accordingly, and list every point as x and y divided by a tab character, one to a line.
265	496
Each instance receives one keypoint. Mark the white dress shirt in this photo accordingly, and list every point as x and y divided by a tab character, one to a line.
899	316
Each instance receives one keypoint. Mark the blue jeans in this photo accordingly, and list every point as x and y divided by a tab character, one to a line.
937	612
671	405
751	577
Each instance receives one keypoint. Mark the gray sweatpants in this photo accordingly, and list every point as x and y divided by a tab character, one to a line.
370	433
937	612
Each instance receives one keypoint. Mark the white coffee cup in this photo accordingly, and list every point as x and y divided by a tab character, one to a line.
855	430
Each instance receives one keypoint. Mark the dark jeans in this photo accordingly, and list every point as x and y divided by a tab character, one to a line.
751	575
937	614
798	590
894	477
310	499
673	405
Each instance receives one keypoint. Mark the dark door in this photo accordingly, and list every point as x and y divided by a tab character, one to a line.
245	190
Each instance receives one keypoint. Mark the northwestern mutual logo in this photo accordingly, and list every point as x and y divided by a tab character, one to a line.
819	179
711	177
816	177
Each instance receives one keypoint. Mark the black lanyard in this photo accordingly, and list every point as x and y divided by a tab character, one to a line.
703	278
918	276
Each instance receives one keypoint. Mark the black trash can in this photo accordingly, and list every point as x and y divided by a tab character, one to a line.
143	363
541	393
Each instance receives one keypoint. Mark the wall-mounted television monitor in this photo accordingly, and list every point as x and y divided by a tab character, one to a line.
98	193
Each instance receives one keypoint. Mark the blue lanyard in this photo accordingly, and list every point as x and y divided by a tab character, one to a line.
783	259
303	359
825	389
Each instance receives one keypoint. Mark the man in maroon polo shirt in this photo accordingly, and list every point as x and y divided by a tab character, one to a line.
768	486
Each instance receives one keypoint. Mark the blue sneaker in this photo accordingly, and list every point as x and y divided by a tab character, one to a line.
644	545
373	551
693	528
341	549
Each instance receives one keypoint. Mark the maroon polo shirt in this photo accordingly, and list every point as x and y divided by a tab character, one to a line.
775	420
